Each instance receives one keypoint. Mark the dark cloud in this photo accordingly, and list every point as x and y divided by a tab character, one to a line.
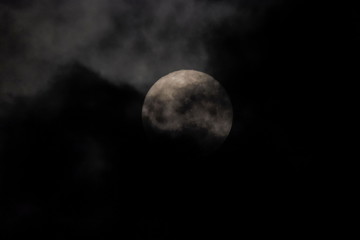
77	154
74	159
61	149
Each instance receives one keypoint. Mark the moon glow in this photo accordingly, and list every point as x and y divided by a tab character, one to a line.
188	111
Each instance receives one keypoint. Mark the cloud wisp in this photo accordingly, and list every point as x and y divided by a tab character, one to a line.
124	41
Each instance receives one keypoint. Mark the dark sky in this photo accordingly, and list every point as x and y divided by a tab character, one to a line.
74	159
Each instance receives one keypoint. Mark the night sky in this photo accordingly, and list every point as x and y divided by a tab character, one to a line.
75	162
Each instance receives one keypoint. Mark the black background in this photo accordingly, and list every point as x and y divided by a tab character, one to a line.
273	177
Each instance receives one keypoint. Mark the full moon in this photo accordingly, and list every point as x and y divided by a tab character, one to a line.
187	111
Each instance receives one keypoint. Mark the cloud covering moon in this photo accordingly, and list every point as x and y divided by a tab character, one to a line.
189	107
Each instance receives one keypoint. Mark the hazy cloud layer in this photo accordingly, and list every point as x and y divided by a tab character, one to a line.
134	42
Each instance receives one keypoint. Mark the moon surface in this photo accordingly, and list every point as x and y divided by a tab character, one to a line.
187	111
